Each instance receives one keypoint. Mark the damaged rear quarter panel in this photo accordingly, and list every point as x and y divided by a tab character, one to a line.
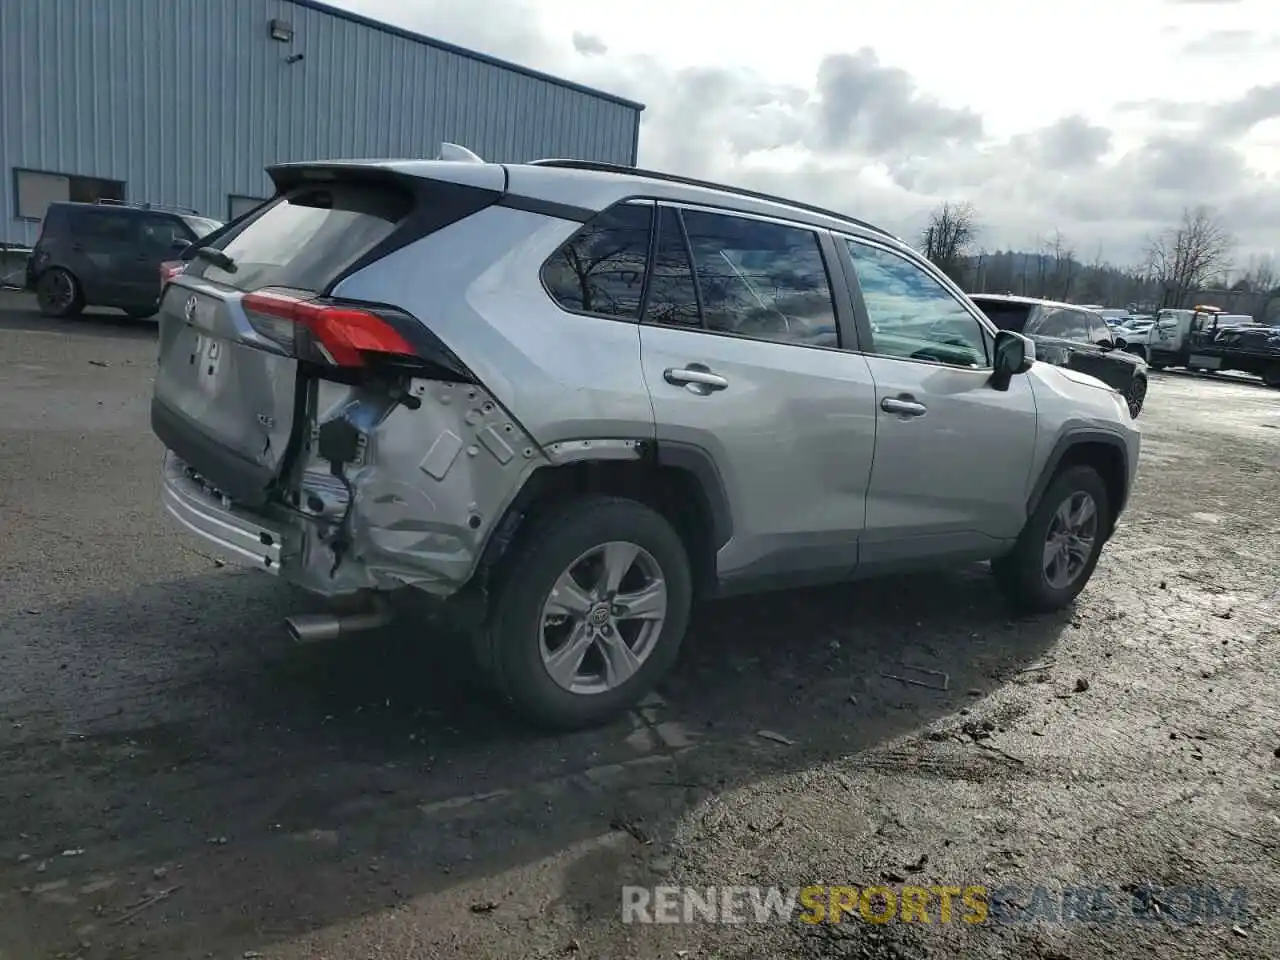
430	485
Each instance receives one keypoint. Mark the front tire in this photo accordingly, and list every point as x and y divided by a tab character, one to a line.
58	294
1059	547
589	611
1135	396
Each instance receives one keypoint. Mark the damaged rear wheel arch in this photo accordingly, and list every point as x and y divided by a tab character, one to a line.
685	489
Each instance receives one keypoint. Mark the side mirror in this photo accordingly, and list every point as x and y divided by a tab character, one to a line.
1014	354
1106	345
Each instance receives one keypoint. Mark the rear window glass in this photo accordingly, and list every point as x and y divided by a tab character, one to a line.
305	239
1005	315
201	226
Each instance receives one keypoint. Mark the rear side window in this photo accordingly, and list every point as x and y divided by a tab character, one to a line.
673	296
1006	315
601	268
305	239
104	230
761	280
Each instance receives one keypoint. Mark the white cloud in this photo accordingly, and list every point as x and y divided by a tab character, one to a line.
1101	119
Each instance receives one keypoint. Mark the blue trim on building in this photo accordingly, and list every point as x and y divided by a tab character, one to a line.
343	14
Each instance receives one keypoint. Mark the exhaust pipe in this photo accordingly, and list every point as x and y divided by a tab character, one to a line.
318	627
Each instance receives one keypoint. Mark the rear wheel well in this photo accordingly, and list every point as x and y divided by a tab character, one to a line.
675	493
1108	461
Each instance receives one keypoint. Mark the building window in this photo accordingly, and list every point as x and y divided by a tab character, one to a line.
34	190
238	205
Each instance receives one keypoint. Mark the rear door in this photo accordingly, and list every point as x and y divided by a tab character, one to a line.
227	388
100	243
742	356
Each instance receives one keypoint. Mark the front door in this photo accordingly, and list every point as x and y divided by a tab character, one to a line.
953	455
160	238
742	358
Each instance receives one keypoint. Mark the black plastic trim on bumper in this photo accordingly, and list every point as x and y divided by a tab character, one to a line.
240	479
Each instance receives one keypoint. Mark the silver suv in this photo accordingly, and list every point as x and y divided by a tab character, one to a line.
574	398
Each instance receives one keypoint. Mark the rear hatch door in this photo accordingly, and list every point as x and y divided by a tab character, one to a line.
230	388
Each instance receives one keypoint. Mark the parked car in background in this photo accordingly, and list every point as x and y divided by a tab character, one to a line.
572	398
108	254
1131	335
1070	336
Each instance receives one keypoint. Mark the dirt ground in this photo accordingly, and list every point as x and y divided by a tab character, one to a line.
179	781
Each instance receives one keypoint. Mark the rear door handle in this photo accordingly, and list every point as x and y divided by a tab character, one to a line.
905	406
695	377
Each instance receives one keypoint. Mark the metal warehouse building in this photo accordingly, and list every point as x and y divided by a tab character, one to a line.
184	102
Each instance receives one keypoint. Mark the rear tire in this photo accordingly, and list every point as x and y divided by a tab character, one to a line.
553	598
58	294
1026	574
1271	375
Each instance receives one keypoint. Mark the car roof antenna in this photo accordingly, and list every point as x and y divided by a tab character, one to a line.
460	154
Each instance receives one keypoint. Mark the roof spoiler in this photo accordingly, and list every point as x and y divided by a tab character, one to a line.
459	154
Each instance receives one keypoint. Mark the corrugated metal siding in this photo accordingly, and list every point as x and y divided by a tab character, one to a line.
187	100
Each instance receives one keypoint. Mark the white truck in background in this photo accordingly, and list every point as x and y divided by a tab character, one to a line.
1206	339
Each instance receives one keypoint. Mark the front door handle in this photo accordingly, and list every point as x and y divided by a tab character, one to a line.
905	406
695	377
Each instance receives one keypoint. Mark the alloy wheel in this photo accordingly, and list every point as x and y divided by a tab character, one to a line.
602	618
57	290
1069	542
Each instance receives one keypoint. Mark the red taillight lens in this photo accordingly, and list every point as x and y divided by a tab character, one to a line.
342	335
170	269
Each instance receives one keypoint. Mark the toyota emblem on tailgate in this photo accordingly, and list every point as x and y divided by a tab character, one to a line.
189	314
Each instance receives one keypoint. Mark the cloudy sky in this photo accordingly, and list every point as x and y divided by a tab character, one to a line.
1099	118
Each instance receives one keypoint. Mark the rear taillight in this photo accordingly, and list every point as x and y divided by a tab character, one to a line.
170	269
340	335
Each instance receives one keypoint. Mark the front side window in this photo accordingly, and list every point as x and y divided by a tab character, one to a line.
163	233
1062	324
762	280
600	269
912	315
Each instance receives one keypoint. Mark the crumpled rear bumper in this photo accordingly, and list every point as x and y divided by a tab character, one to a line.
230	532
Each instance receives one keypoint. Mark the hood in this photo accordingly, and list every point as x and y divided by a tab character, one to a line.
1082	378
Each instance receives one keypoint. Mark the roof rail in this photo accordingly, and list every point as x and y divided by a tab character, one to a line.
146	205
708	185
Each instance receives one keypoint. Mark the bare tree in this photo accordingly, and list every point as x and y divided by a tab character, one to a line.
1184	258
947	237
1060	261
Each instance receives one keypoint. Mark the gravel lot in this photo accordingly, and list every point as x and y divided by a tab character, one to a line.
179	781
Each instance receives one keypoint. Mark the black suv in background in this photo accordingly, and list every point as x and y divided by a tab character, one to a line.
108	255
1071	337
